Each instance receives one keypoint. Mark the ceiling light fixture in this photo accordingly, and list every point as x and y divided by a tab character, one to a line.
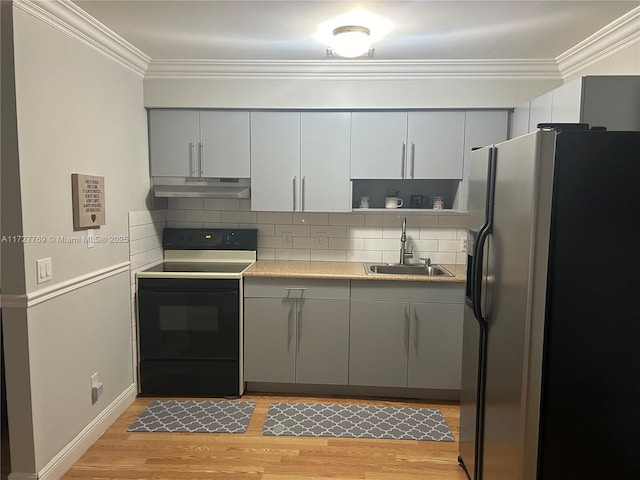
351	41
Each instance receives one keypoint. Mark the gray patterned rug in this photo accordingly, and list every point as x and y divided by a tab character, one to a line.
355	421
194	416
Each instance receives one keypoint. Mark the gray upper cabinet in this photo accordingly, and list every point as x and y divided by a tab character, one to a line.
378	145
225	144
275	161
435	145
173	142
300	161
604	100
199	143
540	111
407	145
324	161
482	128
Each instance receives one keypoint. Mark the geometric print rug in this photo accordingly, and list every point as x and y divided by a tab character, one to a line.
356	421
194	416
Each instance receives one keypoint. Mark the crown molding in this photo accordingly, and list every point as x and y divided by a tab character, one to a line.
606	42
76	23
353	69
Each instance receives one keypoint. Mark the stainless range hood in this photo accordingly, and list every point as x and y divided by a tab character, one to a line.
201	187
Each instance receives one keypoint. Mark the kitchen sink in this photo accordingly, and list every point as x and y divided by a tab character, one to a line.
433	270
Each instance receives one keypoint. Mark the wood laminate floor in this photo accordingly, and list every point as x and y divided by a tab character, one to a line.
172	456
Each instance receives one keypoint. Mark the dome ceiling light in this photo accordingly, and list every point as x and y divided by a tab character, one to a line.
350	41
352	34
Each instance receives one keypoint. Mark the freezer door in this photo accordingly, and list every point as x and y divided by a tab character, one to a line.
471	342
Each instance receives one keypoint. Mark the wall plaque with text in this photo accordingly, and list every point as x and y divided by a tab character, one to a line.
88	200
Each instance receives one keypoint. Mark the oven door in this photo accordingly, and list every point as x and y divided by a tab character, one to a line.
188	319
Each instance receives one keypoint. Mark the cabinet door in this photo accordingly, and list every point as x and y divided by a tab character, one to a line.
436	145
378	144
565	107
520	121
435	353
173	143
540	111
379	340
323	342
269	340
324	161
275	161
225	140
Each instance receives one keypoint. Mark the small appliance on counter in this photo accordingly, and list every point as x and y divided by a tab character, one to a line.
190	313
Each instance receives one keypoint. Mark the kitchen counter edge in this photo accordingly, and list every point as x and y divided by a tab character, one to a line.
340	270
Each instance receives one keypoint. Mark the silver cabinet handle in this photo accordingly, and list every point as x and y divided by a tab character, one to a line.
294	194
192	155
290	324
202	159
403	159
406	328
416	330
298	289
302	196
299	303
413	158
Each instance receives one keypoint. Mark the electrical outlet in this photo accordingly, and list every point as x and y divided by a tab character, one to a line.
287	239
97	387
464	243
321	239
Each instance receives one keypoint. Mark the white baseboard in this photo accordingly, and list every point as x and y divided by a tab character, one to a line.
70	454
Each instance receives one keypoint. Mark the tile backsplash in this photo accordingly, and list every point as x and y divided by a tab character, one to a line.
372	236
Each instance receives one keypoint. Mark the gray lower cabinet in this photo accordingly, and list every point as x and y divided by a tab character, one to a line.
296	331
406	335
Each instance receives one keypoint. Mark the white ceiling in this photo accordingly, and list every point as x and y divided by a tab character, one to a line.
421	30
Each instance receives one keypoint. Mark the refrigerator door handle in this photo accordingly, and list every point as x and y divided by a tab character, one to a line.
483	234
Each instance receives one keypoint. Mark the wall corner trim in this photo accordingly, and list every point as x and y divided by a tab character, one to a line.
65	459
606	42
77	24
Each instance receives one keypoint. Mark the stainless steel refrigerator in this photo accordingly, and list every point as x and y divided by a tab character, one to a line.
551	343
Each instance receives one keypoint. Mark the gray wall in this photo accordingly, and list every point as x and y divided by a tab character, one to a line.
77	111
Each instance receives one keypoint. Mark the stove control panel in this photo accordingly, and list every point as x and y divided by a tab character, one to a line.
210	239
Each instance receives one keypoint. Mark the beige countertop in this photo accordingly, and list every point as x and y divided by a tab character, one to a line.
339	270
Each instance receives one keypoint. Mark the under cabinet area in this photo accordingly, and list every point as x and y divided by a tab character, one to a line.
199	143
296	331
408	336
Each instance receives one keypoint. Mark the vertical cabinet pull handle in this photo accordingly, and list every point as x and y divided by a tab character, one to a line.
413	159
416	330
290	325
202	159
192	159
403	160
294	194
302	196
406	328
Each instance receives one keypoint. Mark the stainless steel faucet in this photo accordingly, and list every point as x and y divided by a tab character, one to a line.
403	241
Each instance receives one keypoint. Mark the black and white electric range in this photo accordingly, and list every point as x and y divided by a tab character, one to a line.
190	313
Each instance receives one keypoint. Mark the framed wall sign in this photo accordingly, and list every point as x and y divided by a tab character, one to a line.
87	193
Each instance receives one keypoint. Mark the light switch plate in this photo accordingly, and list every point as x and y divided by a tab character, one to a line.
44	270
